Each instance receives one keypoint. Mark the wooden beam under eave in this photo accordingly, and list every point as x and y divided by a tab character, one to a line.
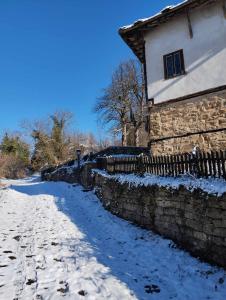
132	39
224	8
189	24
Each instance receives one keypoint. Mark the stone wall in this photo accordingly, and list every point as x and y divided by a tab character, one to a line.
189	116
73	175
195	220
61	175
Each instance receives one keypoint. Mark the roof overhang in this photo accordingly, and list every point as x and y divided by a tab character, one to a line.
133	35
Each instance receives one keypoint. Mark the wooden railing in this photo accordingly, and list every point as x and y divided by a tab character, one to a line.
210	164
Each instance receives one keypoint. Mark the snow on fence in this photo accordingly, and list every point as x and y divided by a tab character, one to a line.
211	164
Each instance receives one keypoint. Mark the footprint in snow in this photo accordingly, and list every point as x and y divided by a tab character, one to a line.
82	293
58	259
17	238
30	281
138	238
152	288
64	289
221	280
54	244
7	251
40	268
12	257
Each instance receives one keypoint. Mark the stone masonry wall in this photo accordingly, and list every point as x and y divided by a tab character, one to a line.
82	175
195	220
197	114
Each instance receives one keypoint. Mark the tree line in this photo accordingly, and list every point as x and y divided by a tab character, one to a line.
52	144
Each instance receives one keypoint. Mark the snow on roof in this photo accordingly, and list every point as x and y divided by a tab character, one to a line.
164	10
133	34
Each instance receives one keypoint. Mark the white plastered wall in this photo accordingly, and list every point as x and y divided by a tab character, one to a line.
204	54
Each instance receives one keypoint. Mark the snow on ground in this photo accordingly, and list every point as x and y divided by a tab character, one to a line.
211	185
57	242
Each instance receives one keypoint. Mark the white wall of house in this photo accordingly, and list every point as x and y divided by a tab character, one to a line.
204	54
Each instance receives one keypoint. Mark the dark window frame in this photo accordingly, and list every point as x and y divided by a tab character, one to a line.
182	65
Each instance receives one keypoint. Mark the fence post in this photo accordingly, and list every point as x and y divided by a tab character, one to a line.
101	163
140	166
194	162
223	156
105	164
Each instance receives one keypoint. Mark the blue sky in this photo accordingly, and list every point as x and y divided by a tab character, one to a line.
59	54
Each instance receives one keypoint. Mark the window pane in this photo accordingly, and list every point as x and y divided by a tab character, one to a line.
177	64
169	66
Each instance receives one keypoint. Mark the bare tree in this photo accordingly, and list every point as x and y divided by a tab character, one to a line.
122	102
113	107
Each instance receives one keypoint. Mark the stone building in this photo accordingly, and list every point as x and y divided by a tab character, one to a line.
183	50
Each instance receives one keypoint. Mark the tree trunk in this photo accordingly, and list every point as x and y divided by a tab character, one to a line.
124	135
137	136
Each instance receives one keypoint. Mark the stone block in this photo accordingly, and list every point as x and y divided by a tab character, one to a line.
220	232
216	213
200	235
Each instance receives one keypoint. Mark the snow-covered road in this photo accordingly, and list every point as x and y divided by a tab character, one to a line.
57	242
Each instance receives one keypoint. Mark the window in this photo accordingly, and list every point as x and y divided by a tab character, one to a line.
174	64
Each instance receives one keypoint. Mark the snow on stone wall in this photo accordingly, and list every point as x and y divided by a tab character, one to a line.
193	218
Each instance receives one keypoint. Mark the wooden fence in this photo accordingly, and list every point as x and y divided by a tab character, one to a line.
212	164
